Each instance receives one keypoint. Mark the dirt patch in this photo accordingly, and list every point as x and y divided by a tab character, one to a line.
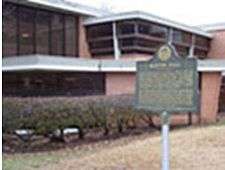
200	149
12	144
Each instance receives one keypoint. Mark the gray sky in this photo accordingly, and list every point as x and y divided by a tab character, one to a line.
192	12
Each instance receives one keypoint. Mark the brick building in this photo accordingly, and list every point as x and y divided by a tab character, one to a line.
57	48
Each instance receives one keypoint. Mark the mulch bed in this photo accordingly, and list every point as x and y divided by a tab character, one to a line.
13	144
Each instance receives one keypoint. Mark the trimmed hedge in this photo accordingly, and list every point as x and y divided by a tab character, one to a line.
45	115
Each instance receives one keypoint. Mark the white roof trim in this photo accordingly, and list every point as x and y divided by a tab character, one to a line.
213	27
118	69
64	5
148	17
53	63
211	69
211	65
38	62
49	68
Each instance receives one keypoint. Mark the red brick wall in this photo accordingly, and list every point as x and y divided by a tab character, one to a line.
120	83
210	91
217	46
124	83
82	40
179	119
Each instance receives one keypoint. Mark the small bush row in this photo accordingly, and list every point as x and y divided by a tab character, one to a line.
45	115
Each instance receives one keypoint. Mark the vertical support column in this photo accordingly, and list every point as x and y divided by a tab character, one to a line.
136	28
192	48
222	94
165	140
170	36
210	92
115	43
83	48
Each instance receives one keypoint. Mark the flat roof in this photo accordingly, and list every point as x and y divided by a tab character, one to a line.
63	5
45	62
213	27
148	17
57	63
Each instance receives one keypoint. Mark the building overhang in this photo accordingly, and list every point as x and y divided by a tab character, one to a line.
211	65
213	27
71	64
64	6
47	63
148	17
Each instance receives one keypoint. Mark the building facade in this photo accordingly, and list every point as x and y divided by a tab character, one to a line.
57	48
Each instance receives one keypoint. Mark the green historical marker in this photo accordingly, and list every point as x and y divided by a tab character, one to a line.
167	84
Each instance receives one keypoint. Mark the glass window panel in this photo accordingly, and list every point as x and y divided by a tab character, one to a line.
100	30
125	28
57	34
127	42
202	41
26	33
152	30
9	32
182	51
200	53
143	28
148	43
158	31
101	44
42	32
181	37
70	36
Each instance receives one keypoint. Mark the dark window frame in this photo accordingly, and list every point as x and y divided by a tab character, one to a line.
183	40
38	11
76	33
19	7
34	27
61	37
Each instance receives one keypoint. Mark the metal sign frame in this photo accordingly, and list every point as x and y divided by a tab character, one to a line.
168	59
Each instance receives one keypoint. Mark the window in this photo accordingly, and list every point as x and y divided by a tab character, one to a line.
200	53
102	30
53	84
201	41
158	31
126	42
26	31
70	36
140	36
57	34
42	32
9	32
152	30
147	39
181	37
143	28
102	44
125	28
182	51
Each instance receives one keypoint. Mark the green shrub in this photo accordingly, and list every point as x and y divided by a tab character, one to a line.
45	115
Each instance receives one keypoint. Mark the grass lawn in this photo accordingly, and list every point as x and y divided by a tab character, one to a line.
195	148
